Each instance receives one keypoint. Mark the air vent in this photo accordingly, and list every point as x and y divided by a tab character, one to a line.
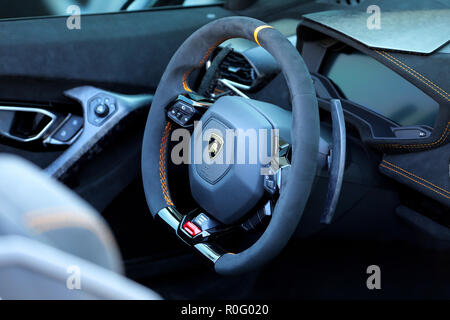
237	69
348	2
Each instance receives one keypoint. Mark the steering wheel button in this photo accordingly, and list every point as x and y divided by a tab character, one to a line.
204	222
191	228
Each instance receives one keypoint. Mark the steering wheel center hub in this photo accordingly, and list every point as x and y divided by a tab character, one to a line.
229	147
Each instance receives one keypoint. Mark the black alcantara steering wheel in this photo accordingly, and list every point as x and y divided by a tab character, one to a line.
227	192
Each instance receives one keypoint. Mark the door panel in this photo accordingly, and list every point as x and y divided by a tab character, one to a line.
125	52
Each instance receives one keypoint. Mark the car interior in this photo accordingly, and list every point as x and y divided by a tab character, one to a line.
96	96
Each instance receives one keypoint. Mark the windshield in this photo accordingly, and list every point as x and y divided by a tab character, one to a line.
36	8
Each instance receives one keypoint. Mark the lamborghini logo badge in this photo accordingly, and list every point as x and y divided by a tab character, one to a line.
214	146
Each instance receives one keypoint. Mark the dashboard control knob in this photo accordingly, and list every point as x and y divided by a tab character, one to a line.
101	110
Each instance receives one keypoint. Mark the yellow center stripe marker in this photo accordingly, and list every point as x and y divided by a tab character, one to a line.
255	33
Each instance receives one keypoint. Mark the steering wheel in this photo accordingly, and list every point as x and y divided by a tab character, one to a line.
227	192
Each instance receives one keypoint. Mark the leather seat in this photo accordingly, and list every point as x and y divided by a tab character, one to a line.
53	245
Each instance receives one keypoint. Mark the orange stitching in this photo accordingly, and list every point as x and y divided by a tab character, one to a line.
382	165
162	164
416	176
439	141
56	218
210	50
184	81
419	74
415	75
162	171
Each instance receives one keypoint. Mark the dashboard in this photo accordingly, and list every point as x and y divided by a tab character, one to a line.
384	106
392	106
355	77
361	79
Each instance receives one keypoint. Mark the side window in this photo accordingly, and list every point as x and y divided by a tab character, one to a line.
12	9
